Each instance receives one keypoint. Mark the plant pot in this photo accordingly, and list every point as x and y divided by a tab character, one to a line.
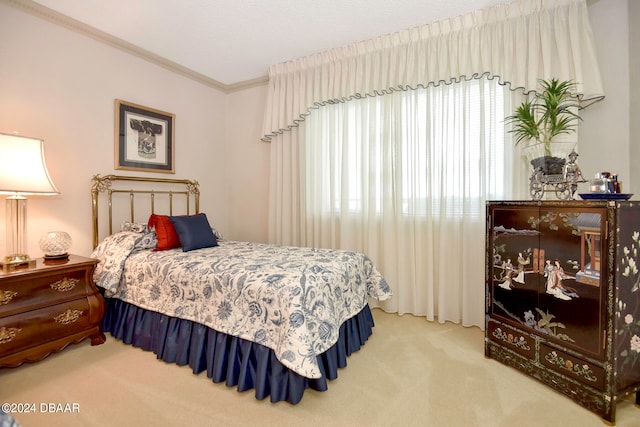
549	165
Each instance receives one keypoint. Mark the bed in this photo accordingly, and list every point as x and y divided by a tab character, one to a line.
268	318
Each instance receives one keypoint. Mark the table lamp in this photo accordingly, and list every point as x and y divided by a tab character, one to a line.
23	172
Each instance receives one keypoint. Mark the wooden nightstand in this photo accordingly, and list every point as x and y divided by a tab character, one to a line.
45	308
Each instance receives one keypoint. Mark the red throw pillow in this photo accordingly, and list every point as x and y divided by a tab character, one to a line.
167	236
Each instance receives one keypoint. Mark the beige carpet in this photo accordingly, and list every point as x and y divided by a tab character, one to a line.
410	373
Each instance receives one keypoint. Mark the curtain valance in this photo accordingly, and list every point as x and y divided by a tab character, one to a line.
517	43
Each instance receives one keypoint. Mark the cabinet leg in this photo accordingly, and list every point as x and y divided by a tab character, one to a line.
609	419
638	398
98	339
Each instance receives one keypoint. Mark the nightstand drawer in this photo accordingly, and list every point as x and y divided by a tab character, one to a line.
21	293
21	331
571	366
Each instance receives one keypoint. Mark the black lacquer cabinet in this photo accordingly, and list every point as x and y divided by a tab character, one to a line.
563	297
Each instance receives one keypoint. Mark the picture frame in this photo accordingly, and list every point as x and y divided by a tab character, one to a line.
144	138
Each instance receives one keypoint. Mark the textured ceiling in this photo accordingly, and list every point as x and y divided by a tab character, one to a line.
232	41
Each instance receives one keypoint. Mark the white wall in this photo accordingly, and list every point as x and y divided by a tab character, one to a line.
634	85
604	136
60	86
249	166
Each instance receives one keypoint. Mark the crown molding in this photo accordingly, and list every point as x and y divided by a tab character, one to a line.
246	84
57	18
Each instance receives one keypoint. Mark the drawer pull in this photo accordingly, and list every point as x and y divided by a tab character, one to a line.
8	334
6	296
65	285
68	316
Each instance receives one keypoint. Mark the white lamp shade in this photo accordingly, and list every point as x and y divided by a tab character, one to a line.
23	170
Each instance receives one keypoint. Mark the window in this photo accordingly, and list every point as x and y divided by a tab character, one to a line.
416	152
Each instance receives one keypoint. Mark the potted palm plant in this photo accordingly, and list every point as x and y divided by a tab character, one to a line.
538	121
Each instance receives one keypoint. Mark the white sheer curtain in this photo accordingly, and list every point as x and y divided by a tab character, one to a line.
391	146
403	178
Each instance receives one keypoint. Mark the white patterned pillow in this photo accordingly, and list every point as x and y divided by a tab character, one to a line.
148	240
112	253
217	233
136	227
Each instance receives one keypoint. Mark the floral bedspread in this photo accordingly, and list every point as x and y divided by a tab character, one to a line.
290	299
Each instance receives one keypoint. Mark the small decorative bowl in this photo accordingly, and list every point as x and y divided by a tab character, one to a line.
55	245
606	196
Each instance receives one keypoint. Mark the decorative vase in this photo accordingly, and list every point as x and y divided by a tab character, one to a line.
55	245
550	165
536	156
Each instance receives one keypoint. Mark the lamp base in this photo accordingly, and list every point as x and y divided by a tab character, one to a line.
60	257
17	261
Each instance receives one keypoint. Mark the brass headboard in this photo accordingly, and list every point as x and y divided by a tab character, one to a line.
168	188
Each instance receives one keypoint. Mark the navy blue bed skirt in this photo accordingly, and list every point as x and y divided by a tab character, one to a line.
234	361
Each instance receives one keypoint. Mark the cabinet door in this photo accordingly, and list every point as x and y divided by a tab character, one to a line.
570	305
626	337
514	243
546	272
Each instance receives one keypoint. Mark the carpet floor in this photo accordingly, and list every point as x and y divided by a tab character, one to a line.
409	373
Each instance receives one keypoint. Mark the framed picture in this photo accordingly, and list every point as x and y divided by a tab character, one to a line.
144	138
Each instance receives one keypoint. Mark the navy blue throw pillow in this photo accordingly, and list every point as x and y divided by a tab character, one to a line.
194	232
